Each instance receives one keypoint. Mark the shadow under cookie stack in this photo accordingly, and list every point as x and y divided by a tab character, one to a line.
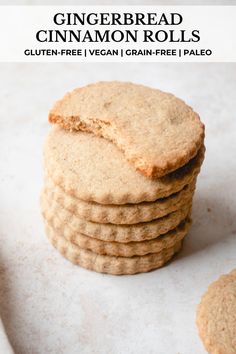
121	164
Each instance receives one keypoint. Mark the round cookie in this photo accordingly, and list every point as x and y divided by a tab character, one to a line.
93	169
216	316
119	214
60	217
129	249
156	131
110	264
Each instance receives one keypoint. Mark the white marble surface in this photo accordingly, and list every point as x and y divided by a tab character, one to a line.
50	306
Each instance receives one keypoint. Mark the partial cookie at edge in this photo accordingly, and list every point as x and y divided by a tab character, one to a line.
216	319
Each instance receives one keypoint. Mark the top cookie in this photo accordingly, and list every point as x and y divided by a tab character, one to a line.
216	316
156	131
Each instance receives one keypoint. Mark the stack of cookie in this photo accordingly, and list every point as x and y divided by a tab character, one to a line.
121	165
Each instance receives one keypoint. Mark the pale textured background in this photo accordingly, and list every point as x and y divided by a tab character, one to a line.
50	306
118	2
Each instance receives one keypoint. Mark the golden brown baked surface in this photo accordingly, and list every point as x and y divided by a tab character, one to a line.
128	249
216	316
93	169
60	218
157	132
110	264
119	214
